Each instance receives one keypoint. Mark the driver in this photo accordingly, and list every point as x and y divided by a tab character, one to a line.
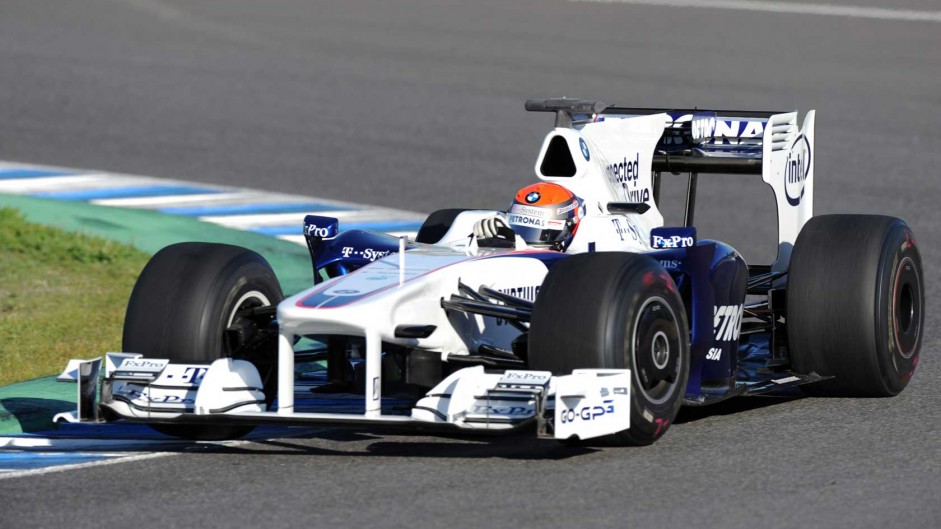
544	215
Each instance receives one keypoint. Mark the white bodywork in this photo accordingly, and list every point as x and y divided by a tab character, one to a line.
613	163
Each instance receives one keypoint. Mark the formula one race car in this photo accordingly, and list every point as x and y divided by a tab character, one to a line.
606	336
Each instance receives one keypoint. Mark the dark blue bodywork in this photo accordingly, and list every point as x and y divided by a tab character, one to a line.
711	276
335	254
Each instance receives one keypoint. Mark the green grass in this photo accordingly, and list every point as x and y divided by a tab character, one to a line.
62	295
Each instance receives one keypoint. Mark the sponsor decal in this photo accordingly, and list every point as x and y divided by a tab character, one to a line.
797	170
618	228
733	131
323	227
366	253
715	353
170	399
193	375
673	241
148	397
526	220
566	209
584	148
661	425
587	413
525	378
143	364
670	264
727	322
703	127
532	197
627	173
528	210
527	293
621	230
127	391
502	410
716	131
626	170
676	237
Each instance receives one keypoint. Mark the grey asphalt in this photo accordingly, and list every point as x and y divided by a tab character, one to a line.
417	104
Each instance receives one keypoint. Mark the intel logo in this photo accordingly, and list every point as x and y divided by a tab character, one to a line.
797	170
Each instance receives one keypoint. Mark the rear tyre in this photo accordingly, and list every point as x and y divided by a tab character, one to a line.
855	305
437	224
183	302
622	311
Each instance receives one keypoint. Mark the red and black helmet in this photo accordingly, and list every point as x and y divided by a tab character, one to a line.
545	215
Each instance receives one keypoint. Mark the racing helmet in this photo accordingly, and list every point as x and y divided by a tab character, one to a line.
545	215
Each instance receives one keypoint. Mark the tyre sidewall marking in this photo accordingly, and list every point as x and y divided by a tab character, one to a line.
896	367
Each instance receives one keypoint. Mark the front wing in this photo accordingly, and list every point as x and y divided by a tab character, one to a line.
585	404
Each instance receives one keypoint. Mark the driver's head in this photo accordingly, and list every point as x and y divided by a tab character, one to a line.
545	215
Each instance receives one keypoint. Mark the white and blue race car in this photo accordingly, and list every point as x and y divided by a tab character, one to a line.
607	338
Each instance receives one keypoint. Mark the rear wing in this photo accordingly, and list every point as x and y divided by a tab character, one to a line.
691	141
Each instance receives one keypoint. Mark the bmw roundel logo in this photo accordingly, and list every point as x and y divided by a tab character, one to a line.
584	147
533	197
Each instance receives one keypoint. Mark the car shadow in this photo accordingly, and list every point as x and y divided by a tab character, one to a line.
30	414
523	445
380	443
690	414
376	442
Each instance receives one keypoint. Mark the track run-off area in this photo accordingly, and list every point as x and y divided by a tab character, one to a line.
412	106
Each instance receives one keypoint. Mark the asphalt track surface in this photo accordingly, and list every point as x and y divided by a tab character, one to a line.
418	105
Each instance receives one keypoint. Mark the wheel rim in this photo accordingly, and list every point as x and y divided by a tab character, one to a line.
906	307
656	351
249	300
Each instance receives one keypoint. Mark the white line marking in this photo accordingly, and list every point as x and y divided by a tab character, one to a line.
877	13
173	200
129	456
351	212
300	239
296	239
27	185
72	443
288	219
101	463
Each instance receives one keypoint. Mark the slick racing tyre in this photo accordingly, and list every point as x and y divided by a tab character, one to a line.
855	305
622	311
186	298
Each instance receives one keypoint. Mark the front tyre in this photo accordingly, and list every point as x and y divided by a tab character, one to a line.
855	305
186	298
621	311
